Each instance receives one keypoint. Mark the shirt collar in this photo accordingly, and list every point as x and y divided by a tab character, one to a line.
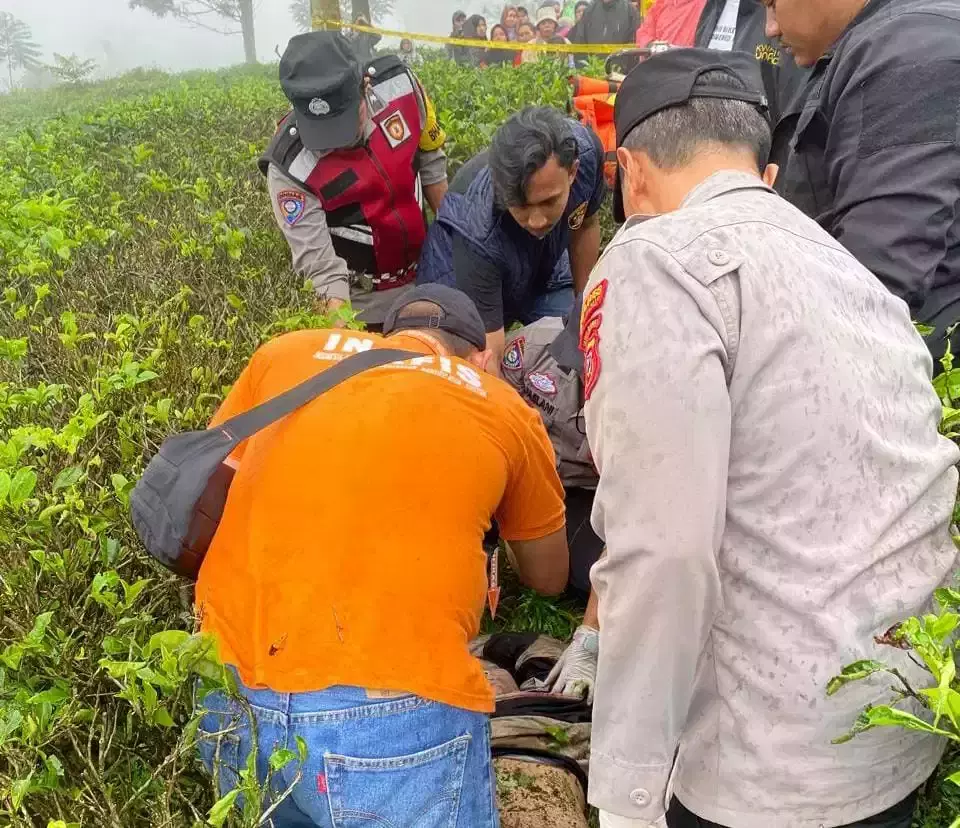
871	8
721	183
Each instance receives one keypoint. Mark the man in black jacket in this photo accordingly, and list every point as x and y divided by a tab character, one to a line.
874	152
607	21
739	25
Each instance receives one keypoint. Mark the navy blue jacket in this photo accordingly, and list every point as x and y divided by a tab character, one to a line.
473	241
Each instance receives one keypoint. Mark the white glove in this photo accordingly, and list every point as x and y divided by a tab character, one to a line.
575	672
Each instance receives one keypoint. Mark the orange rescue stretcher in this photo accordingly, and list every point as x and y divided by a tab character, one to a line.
593	100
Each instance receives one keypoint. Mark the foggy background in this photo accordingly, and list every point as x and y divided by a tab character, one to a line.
119	38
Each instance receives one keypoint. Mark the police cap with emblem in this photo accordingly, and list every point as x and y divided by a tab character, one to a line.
670	78
321	77
458	314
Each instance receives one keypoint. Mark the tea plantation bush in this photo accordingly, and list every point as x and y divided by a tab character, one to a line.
141	268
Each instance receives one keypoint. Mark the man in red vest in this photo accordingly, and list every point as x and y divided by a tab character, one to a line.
348	170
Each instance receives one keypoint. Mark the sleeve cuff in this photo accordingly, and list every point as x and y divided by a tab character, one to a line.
634	791
536	533
433	167
336	288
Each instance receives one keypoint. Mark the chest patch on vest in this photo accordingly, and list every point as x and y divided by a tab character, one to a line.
544	383
396	129
577	216
292	204
513	356
590	321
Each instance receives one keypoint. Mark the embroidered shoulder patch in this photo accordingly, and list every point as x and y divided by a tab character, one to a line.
513	356
590	321
544	383
577	216
292	204
396	129
593	301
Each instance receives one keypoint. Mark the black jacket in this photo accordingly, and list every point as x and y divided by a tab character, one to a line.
782	78
613	22
873	154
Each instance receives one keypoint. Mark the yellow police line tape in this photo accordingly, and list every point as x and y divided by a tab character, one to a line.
515	46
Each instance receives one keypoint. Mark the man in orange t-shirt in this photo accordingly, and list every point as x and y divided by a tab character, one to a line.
347	575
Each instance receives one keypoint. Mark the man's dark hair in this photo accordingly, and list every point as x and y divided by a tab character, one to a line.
523	145
522	9
674	135
457	346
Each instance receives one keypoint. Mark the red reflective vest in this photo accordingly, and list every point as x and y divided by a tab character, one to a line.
370	193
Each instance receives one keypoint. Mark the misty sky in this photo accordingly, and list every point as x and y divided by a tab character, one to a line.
119	38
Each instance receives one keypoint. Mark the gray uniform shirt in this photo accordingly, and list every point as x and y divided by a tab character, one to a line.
773	494
311	245
533	371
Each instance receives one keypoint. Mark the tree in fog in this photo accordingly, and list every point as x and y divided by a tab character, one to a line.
72	69
17	47
373	10
207	14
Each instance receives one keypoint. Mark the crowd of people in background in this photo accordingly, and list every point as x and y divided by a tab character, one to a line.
550	22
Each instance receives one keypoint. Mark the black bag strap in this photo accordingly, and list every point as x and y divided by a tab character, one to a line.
245	425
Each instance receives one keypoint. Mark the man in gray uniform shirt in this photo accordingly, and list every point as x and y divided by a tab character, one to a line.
543	362
774	491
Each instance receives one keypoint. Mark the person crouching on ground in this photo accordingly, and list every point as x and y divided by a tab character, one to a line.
347	575
520	229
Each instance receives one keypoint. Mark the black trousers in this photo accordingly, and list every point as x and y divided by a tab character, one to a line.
585	546
899	816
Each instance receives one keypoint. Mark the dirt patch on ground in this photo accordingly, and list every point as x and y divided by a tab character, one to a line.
534	795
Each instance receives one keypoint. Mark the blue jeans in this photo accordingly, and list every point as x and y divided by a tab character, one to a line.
402	762
557	297
555	302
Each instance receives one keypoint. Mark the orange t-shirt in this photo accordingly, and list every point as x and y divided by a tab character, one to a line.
350	549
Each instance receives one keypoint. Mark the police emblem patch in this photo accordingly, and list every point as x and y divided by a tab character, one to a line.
590	321
577	216
291	204
318	106
396	129
544	383
513	356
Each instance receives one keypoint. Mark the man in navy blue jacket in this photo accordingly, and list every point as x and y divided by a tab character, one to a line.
519	231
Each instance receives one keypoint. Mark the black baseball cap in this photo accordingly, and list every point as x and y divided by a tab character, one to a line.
321	77
668	79
458	314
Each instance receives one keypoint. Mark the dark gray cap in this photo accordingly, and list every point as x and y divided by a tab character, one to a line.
458	314
321	77
670	78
